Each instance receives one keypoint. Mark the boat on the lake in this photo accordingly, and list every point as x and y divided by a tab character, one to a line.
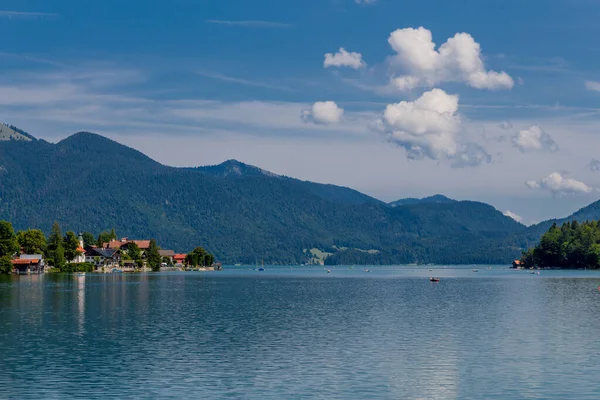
432	279
475	270
367	270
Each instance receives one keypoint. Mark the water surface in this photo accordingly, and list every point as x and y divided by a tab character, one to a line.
302	333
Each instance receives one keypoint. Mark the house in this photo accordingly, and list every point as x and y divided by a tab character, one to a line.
129	266
179	259
100	257
169	254
124	243
518	264
29	264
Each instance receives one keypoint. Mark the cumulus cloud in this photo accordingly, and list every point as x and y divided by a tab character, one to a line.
323	112
534	139
344	58
514	216
470	155
558	184
505	125
592	85
428	128
457	60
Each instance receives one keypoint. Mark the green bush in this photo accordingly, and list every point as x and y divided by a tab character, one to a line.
77	267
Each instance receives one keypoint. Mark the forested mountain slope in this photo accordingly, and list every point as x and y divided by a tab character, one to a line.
239	212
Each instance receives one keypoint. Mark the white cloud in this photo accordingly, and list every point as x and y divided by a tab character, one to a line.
470	155
505	125
323	112
241	81
558	184
592	85
457	60
534	139
514	216
344	58
428	128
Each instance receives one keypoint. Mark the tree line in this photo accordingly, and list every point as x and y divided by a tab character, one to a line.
572	245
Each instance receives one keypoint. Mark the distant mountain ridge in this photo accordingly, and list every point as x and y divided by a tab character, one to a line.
9	132
435	199
239	212
235	168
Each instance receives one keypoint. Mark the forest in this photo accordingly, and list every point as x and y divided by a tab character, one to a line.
572	245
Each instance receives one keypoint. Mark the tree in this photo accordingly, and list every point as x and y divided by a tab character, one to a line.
573	245
55	238
71	246
6	266
58	260
88	239
199	257
153	256
33	241
8	240
105	237
54	243
134	252
209	259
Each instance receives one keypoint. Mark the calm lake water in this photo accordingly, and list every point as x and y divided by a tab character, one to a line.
302	333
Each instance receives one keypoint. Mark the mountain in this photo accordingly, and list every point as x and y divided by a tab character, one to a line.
9	132
238	212
234	168
237	169
435	199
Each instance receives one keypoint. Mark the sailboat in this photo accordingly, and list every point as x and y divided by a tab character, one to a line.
263	266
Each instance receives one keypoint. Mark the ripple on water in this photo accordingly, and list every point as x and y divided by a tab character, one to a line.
300	335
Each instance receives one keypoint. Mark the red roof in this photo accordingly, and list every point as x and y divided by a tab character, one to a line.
25	262
180	256
117	244
142	244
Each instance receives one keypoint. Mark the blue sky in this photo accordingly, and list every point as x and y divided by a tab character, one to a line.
506	112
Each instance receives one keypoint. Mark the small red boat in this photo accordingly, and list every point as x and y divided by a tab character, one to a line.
434	279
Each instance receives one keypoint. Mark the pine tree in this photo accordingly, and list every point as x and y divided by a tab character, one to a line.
53	256
153	256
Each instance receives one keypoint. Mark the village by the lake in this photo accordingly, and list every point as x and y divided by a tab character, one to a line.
30	252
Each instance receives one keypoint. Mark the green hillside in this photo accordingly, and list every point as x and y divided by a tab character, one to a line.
238	212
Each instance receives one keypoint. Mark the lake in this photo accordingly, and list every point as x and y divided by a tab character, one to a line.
302	333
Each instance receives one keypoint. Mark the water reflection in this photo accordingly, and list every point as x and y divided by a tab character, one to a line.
248	335
81	302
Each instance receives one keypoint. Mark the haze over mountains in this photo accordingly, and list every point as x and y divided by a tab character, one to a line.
242	213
